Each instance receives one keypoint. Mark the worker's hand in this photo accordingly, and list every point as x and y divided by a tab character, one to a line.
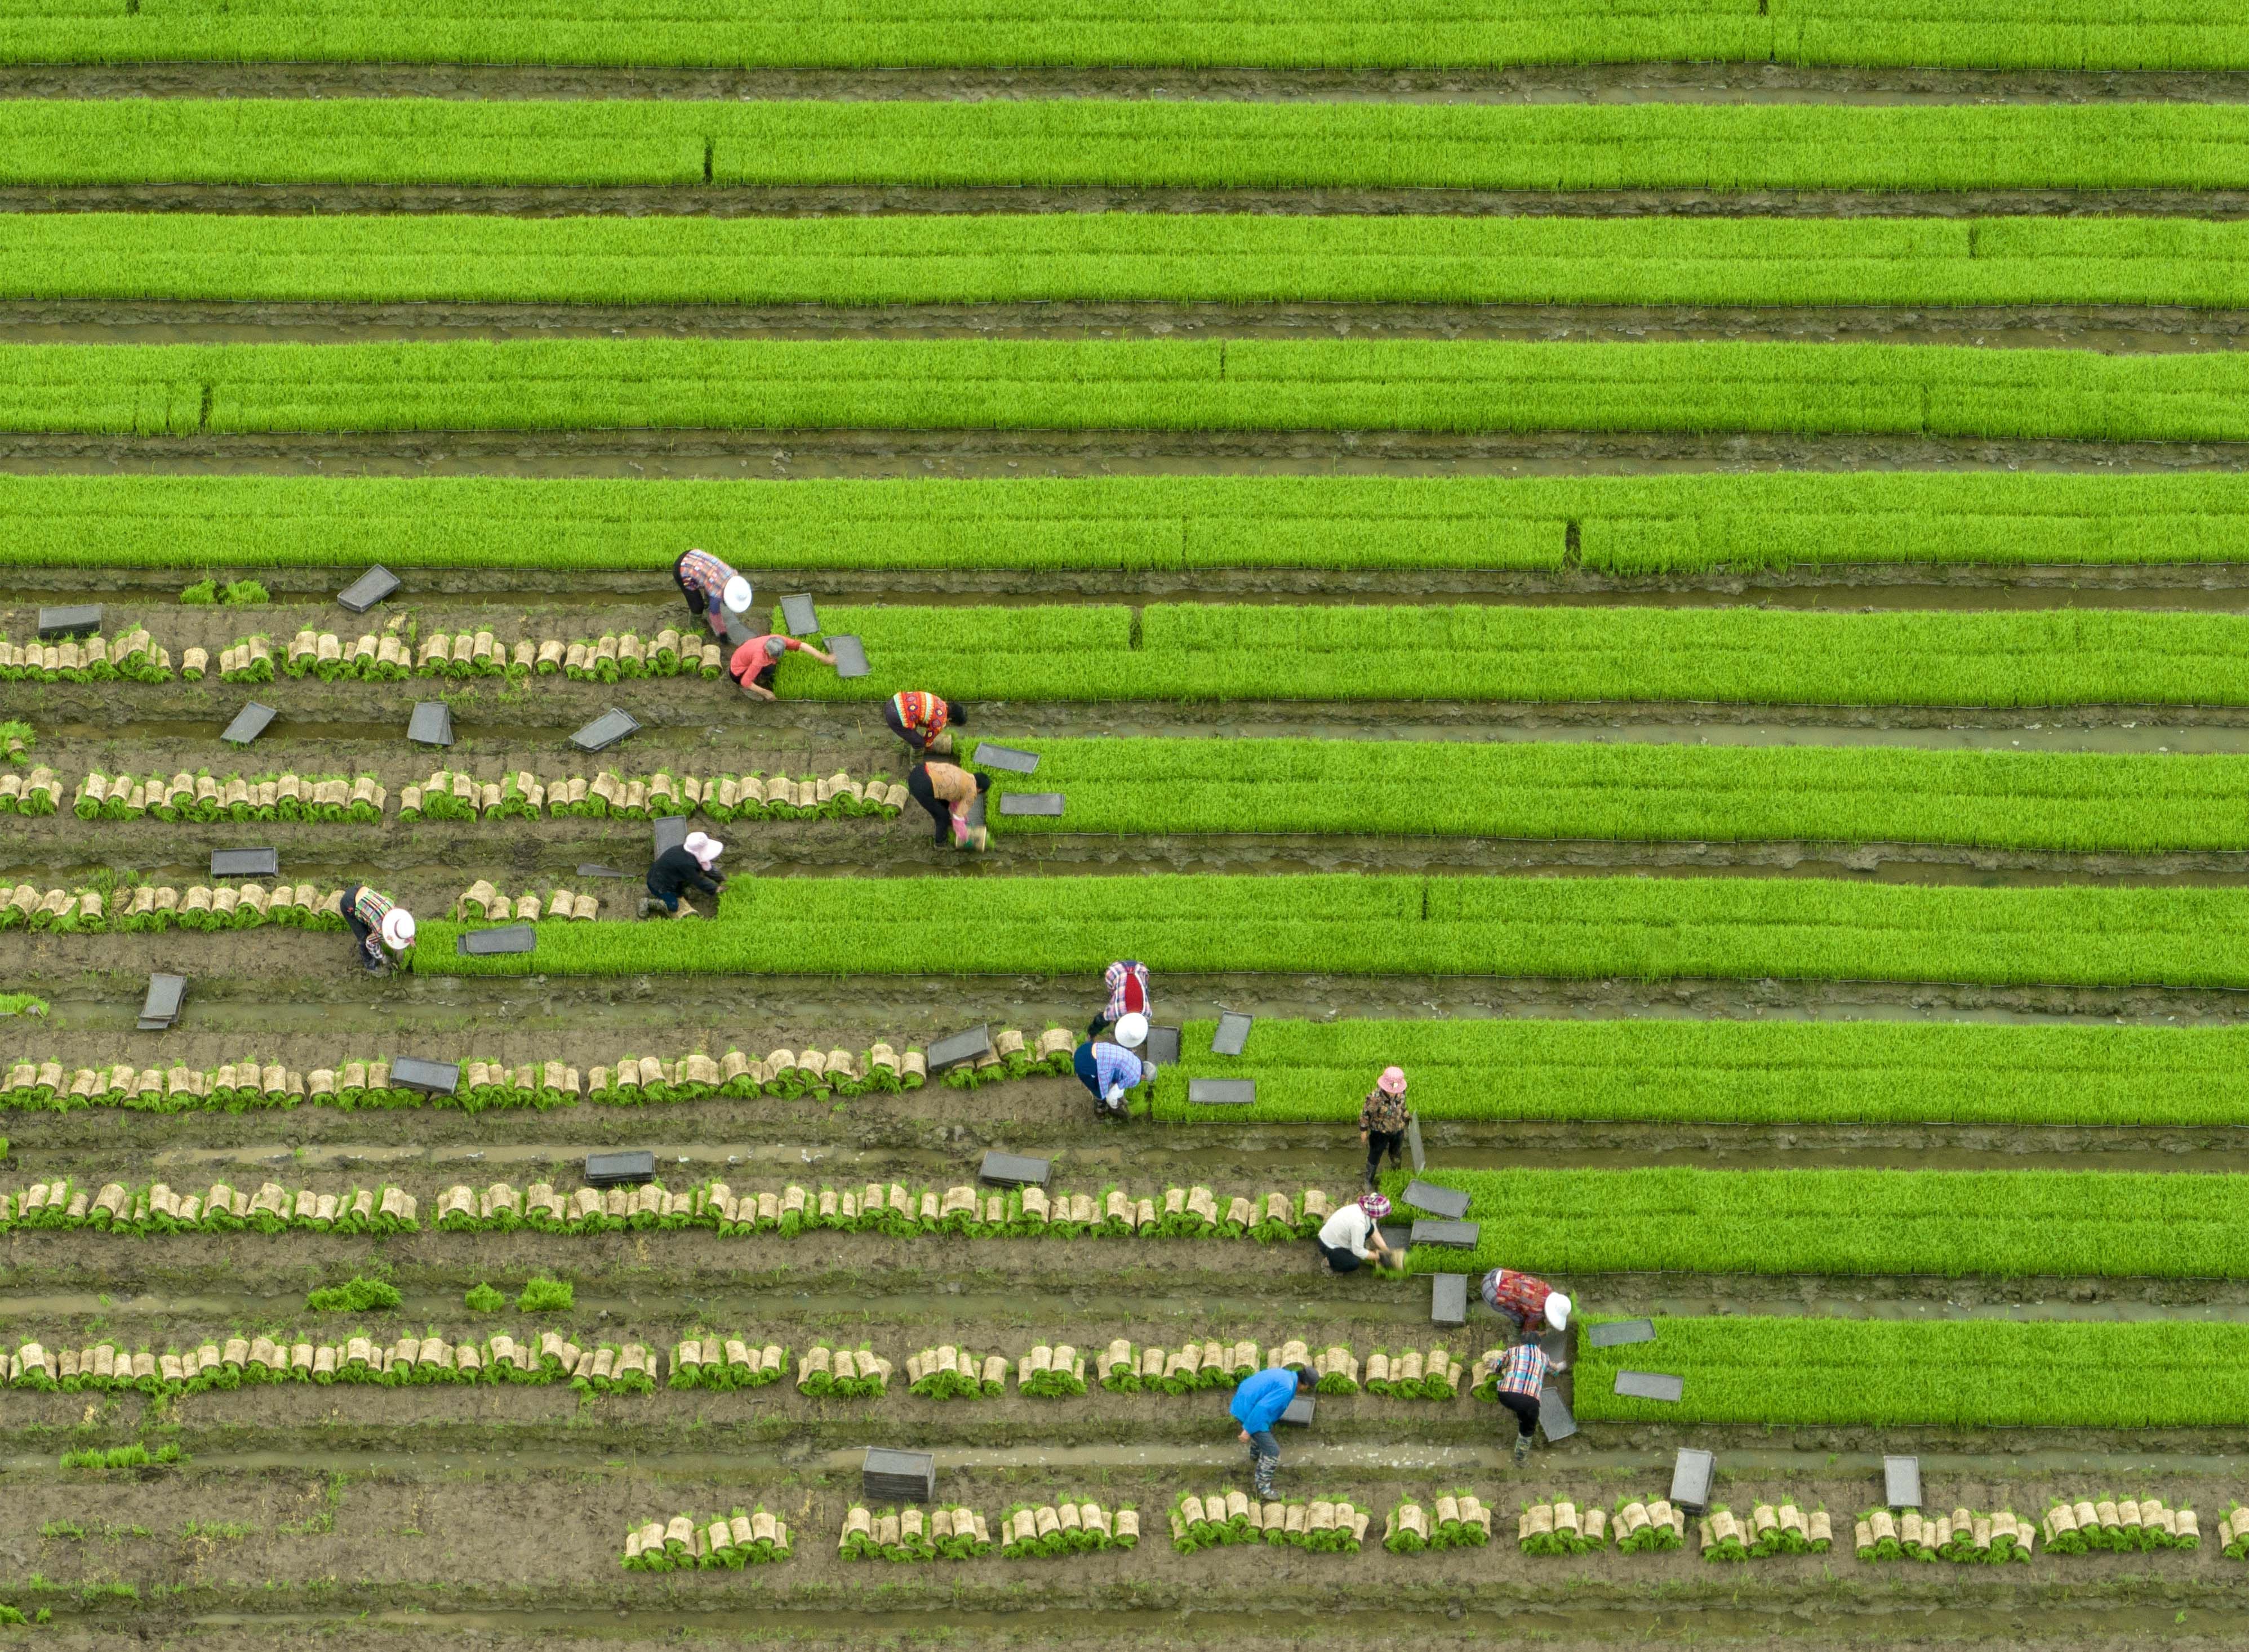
1362	1137
825	659
1245	1436
759	691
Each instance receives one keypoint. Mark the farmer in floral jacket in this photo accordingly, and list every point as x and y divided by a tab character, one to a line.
1382	1121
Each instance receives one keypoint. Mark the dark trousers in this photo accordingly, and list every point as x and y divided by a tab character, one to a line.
693	594
670	901
1339	1259
1089	1074
1526	1412
922	792
915	739
362	933
1381	1141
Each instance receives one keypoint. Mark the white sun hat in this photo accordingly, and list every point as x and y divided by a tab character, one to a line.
1133	1031
1557	1312
398	929
737	595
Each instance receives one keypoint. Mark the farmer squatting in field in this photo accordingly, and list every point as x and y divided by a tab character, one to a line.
1350	1237
1111	1067
692	864
377	921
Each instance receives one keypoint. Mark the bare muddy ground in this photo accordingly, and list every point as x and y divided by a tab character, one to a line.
1560	83
2116	329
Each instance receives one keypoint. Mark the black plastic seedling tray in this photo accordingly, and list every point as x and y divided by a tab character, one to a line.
431	724
487	943
850	656
605	731
1456	1235
161	1006
367	589
249	723
245	862
800	616
80	620
1006	759
1222	1093
907	1477
1620	1333
671	832
1043	803
1163	1046
1691	1474
619	1169
1650	1385
1448	1299
1902	1482
431	1078
1014	1170
1448	1202
1232	1035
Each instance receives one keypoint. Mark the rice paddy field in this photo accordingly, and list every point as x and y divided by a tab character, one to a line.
1678	569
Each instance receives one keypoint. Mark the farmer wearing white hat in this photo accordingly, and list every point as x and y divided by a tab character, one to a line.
712	589
1111	1067
685	865
1382	1121
377	921
1534	1306
1127	981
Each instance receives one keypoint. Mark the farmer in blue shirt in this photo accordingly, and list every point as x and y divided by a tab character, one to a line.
1257	1405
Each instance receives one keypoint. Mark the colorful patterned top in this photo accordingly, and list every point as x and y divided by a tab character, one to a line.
1383	1112
1518	1296
1128	990
1523	1370
371	908
1113	1065
919	710
700	571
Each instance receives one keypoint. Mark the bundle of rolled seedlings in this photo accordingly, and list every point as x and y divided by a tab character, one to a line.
1031	1531
1408	1374
1337	1369
1053	1371
1557	1528
1406	1529
1118	1368
742	1538
15	739
250	660
2123	1525
481	902
240	1361
949	1372
1962	1537
39	792
708	1360
66	911
842	1373
1646	1528
615	1368
371	657
2232	1531
1461	1522
255	1083
87	659
1724	1536
152	908
1787	1530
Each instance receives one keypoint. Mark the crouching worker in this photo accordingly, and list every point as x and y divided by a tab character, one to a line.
755	662
947	790
1109	1069
1523	1371
923	721
1128	996
1257	1405
377	921
712	589
1350	1237
1531	1305
684	866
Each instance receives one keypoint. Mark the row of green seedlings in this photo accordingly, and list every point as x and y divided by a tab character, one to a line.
39	792
906	1535
2123	1525
205	797
1962	1536
131	657
456	794
685	1543
125	1456
154	1208
635	1081
1769	1531
1227	1517
1460	1521
148	908
1407	1374
1635	1526
608	1367
207	591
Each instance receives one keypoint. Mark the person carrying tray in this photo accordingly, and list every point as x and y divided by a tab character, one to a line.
754	662
377	921
712	589
1258	1404
923	721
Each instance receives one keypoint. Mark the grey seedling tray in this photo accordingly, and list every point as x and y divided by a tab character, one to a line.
799	615
367	589
1650	1385
605	731
971	1045
1902	1482
1449	1203
431	1078
1046	803
976	815
1163	1046
245	862
1299	1414
1555	1418
737	632
486	943
619	1169
1222	1093
1448	1299
249	723
1414	1145
1618	1334
1014	1170
1691	1474
671	832
850	656
587	870
1457	1235
1232	1033
1005	758
79	621
431	724
905	1476
161	1006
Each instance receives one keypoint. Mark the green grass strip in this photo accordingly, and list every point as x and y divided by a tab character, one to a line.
1149	384
1727	1072
1152	144
1331	924
1318	34
1639	792
1125	256
1552	654
1627	523
1954	1373
2007	1223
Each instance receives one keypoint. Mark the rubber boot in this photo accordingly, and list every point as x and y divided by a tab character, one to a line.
1263	1479
1522	1449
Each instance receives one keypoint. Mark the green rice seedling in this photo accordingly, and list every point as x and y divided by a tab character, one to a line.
1648	1527
245	592
482	1298
204	591
543	1295
357	1295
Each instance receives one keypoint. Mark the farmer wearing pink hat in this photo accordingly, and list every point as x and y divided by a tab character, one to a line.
1350	1237
692	864
1382	1121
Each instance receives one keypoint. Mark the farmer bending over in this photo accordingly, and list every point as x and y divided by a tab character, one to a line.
1128	994
1531	1305
947	790
1109	1068
1522	1378
684	866
377	921
923	721
755	662
1257	1405
712	589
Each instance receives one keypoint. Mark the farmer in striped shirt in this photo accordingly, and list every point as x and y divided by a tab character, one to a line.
712	589
1522	1378
1127	982
923	721
377	921
1534	1306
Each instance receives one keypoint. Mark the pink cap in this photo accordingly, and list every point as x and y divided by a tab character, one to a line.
1392	1082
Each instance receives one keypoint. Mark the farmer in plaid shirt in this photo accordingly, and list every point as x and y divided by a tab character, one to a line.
1127	982
1522	1377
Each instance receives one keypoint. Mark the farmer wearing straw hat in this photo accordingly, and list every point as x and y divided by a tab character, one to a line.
1111	1067
1382	1121
684	866
712	589
377	921
1350	1237
1531	1305
1258	1404
754	662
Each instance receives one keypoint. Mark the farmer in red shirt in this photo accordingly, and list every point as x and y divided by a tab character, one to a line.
755	662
